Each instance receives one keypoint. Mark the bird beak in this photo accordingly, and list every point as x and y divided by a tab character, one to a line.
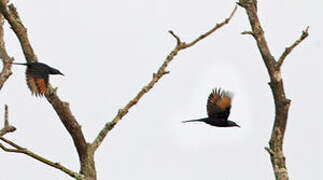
238	126
61	74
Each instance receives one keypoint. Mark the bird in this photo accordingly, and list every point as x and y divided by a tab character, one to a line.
218	109
37	76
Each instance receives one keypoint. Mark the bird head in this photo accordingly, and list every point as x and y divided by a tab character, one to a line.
55	71
232	124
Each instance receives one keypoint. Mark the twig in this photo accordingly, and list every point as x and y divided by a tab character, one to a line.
290	48
12	143
217	26
156	76
6	116
178	40
8	149
19	149
247	33
6	128
271	152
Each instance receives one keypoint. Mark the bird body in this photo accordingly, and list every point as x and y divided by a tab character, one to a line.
214	122
218	109
37	76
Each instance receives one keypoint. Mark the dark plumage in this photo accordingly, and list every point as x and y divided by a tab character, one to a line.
37	76
218	109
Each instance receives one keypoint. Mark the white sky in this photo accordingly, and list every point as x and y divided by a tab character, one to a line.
109	49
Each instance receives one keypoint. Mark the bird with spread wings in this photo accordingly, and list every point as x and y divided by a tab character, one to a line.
218	109
37	76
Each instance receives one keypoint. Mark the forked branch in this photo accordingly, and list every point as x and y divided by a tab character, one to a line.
282	103
85	150
290	48
18	149
62	108
7	128
180	45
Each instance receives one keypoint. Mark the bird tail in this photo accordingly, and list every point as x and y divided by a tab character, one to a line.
195	120
25	64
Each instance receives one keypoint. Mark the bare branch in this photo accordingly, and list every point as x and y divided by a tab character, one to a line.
176	37
12	17
271	152
7	128
6	116
65	114
62	108
19	149
290	48
276	154
85	151
156	76
248	33
8	149
12	143
217	26
6	60
276	84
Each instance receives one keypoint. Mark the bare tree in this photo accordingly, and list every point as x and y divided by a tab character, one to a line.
85	150
276	84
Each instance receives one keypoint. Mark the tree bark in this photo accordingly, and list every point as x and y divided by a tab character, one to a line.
277	87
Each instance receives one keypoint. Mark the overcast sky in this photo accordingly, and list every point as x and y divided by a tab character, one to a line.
108	51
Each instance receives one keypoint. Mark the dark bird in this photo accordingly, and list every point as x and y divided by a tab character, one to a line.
37	76
218	109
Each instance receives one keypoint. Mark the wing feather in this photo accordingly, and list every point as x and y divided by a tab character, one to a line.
41	84
219	104
31	82
37	81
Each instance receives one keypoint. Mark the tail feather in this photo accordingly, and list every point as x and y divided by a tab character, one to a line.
195	120
19	63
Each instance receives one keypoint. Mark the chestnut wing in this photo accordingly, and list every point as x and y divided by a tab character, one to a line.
37	80
219	104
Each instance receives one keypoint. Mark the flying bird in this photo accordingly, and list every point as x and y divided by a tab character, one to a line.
218	109
37	76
